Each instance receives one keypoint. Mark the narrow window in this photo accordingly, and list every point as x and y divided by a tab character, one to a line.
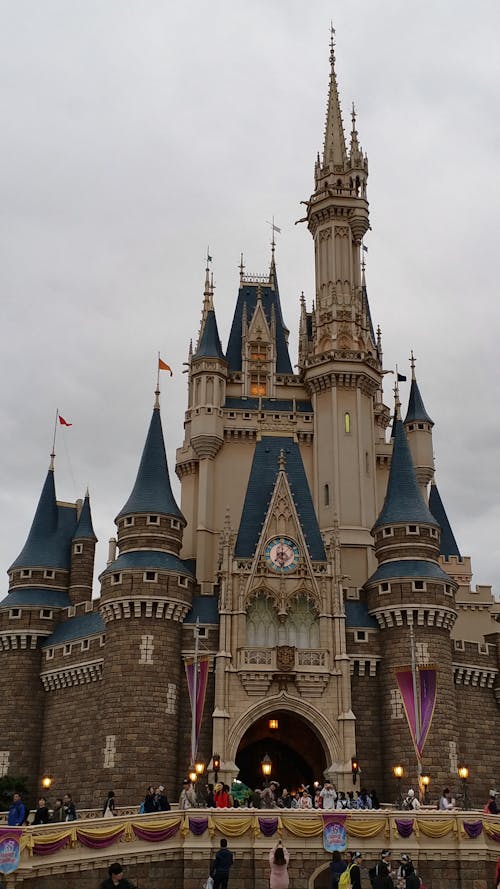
78	549
150	576
347	422
116	578
153	520
49	574
327	495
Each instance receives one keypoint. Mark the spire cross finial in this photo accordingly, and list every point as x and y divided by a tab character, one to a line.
353	117
282	460
332	44
242	267
412	364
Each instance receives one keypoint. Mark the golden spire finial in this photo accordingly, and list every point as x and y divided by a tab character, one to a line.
282	461
412	364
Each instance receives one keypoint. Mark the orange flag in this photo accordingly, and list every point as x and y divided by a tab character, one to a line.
163	366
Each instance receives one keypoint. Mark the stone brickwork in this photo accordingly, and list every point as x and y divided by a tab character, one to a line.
82	571
21	711
366	705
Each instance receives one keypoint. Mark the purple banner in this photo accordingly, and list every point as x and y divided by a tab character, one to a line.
9	850
404	828
268	826
51	848
428	688
198	826
94	842
405	683
200	680
155	836
473	828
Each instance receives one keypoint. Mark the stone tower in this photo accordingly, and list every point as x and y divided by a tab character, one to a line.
413	601
338	356
145	594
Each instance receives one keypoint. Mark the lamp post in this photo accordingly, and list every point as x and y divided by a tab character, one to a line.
47	782
266	766
463	774
425	782
398	773
192	775
216	766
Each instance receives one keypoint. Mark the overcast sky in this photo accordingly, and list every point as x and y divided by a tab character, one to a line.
135	133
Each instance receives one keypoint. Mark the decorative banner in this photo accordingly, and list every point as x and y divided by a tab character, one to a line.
403	827
334	833
197	676
426	692
428	689
472	829
9	850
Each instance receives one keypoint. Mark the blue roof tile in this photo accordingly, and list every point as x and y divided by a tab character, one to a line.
42	596
414	568
152	492
247	295
49	540
357	615
449	546
205	609
84	528
209	345
261	484
154	560
403	500
78	627
416	410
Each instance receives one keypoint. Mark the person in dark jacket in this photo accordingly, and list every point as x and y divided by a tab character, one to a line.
222	864
150	801
337	867
383	879
58	812
42	814
353	860
69	808
161	799
116	878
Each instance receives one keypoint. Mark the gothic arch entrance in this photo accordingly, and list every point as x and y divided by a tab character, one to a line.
296	752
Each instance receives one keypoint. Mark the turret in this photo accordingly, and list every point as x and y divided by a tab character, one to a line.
413	601
145	594
418	427
82	556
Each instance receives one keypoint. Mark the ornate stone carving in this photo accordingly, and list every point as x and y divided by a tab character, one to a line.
285	658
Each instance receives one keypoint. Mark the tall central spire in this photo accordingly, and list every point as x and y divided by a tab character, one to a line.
334	148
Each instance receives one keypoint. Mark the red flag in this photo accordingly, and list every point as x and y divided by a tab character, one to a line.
64	422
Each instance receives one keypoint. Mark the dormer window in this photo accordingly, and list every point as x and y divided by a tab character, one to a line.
78	549
129	521
384	587
26	572
182	580
419	586
151	576
85	644
388	532
434	533
420	426
116	578
153	520
46	614
49	574
15	613
175	523
67	649
412	529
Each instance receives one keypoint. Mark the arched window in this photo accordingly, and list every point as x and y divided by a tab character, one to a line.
262	624
347	422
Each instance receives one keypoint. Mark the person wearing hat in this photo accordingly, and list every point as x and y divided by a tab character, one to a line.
380	875
353	861
406	875
411	802
116	878
491	807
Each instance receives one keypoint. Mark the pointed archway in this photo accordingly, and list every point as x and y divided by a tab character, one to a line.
296	753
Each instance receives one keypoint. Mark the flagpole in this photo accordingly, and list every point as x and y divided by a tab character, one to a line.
53	453
194	703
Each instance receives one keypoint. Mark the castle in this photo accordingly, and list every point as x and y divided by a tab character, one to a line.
310	562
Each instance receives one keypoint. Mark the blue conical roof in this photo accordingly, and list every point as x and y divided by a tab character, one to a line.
210	345
403	500
49	539
84	528
449	545
416	409
152	492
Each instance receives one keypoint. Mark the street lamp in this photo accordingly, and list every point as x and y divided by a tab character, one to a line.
398	772
199	768
47	782
463	774
266	766
216	766
192	775
425	783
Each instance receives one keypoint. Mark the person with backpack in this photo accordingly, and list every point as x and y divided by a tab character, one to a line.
407	876
278	862
380	875
353	860
337	868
